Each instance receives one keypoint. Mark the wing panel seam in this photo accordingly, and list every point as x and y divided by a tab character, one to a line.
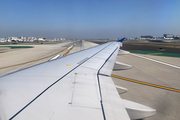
100	85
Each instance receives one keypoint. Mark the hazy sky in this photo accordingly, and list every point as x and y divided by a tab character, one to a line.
89	19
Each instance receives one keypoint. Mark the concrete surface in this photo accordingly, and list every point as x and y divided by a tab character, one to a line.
165	102
17	56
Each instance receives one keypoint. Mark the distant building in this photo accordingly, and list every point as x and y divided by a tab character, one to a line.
131	38
2	39
14	38
29	38
21	37
41	39
146	37
24	38
176	37
168	35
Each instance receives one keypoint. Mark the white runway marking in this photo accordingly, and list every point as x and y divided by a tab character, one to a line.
156	61
55	57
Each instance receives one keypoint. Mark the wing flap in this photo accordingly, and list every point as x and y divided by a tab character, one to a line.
112	103
81	85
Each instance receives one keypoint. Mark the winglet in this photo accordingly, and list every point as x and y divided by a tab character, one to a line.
121	40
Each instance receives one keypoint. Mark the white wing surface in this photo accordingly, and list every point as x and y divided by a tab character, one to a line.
74	87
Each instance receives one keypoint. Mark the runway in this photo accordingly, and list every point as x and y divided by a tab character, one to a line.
145	69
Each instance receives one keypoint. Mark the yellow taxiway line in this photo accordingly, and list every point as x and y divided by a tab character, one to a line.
149	84
68	51
34	60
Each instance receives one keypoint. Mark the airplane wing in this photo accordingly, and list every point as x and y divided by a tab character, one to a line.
74	87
